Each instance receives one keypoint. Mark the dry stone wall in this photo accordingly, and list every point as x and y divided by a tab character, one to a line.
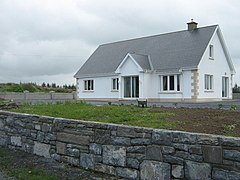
127	152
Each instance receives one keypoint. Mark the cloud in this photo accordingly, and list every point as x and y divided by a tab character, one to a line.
42	40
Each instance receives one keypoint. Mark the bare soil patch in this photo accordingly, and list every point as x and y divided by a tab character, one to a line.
203	120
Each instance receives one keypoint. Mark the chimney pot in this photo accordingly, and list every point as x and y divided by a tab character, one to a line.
192	25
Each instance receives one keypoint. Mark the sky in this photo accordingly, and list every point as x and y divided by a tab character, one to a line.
49	40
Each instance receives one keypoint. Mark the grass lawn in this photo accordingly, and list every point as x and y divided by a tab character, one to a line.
210	121
128	115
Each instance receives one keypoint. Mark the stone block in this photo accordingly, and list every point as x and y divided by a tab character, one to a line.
121	141
195	149
98	158
212	154
140	141
154	170
95	148
188	156
41	149
114	155
231	155
16	141
61	148
221	174
3	141
229	141
126	131
102	136
177	171
182	147
183	137
37	127
127	173
137	149
105	168
132	163
162	137
46	127
137	156
87	161
208	140
40	136
73	152
154	152
72	138
1	125
173	159
168	150
56	157
194	170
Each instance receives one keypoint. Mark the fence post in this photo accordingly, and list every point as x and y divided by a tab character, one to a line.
25	94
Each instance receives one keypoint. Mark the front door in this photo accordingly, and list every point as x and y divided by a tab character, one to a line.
131	87
225	85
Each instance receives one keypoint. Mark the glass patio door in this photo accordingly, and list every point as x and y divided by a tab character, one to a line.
225	86
131	87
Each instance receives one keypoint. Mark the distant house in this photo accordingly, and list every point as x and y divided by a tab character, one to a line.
188	65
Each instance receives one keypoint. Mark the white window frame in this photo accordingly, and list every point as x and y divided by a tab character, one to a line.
177	80
88	85
208	82
211	51
115	84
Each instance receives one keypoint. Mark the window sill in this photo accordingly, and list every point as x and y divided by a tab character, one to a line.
170	92
209	91
114	90
211	58
88	91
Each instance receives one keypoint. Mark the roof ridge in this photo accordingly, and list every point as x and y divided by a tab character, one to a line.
138	54
133	39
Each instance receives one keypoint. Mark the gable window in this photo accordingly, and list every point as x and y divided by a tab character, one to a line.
211	53
115	85
170	83
88	85
208	82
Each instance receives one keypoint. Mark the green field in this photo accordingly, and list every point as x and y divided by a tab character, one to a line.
128	115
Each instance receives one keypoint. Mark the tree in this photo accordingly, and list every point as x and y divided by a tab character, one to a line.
43	84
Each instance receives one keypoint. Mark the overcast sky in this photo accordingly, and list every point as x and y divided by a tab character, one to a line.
49	40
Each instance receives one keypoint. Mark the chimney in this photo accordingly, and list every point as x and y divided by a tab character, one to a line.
192	25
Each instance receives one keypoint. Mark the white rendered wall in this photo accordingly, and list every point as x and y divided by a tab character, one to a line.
102	88
218	67
152	87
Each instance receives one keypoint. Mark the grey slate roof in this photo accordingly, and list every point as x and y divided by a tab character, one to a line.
142	60
171	51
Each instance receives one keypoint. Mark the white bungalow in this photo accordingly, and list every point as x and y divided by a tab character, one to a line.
188	65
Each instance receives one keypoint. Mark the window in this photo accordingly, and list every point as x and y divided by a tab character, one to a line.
88	85
115	85
171	83
208	82
211	51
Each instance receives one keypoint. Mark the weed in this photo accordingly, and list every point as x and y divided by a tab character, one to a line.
233	107
220	106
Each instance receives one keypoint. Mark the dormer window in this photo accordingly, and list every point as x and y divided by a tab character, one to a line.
211	53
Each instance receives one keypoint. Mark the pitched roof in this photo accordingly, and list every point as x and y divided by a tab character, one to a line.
171	51
142	60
